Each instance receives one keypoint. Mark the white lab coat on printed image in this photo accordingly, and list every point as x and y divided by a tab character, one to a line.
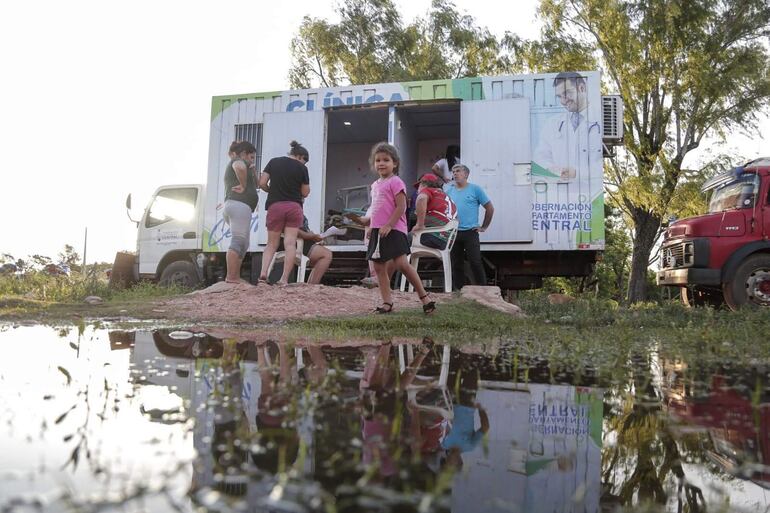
562	146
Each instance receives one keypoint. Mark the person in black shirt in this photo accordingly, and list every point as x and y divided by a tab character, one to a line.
240	202
287	184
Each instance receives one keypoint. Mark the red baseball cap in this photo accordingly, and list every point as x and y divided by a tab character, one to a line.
428	177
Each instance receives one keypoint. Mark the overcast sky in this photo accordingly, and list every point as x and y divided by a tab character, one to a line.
104	98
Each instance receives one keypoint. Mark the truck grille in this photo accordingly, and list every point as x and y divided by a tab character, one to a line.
680	254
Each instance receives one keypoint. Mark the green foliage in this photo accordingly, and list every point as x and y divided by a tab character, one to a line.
70	257
608	281
44	287
371	44
33	283
550	54
37	285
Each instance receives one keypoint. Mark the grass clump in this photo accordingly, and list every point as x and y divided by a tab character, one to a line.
456	320
584	332
40	286
37	295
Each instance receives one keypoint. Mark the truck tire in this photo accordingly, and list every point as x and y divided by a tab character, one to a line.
698	297
181	273
750	284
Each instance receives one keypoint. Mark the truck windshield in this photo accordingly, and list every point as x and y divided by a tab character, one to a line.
172	204
738	194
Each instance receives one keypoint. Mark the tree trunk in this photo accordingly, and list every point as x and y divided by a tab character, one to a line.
646	228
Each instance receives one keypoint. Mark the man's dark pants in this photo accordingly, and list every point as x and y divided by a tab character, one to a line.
467	246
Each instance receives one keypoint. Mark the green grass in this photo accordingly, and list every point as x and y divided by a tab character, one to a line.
585	335
37	296
461	319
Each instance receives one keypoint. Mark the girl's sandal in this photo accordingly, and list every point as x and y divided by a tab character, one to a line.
428	308
264	281
386	308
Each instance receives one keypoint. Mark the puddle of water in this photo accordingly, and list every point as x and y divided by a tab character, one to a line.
168	420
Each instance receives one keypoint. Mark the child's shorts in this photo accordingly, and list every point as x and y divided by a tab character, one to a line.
392	246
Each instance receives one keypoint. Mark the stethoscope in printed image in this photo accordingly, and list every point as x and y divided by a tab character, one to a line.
593	125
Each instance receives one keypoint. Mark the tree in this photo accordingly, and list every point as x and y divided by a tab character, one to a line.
70	257
686	69
371	45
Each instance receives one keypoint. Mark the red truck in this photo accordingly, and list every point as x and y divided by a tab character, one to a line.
723	256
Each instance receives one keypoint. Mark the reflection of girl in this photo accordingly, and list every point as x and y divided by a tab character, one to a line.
381	386
279	441
443	167
230	425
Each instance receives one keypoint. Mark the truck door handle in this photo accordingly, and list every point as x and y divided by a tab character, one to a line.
188	235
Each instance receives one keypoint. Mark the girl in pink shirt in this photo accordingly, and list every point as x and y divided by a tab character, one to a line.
388	239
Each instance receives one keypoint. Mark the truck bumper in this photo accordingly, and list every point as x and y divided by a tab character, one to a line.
682	277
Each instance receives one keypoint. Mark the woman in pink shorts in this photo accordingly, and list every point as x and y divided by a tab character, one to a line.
286	182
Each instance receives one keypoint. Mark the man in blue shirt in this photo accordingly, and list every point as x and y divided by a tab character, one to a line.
468	197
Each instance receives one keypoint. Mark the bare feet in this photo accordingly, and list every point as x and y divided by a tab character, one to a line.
239	282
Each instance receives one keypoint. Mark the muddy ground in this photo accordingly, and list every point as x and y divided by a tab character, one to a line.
222	302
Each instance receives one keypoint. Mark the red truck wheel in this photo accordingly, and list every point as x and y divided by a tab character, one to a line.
751	283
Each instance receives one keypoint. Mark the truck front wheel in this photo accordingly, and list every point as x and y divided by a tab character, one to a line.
182	273
697	296
751	283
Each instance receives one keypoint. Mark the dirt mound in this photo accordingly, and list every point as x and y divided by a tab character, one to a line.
223	301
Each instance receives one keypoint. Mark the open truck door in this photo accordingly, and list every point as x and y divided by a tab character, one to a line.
309	129
495	142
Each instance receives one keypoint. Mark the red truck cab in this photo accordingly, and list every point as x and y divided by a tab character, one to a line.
723	256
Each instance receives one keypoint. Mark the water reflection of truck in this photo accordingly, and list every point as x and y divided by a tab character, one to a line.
543	175
724	255
737	419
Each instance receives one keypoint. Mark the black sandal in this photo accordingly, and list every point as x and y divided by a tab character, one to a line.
383	310
428	308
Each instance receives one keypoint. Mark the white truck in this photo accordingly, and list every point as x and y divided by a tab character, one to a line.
534	142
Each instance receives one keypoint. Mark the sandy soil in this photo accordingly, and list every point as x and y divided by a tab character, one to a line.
223	301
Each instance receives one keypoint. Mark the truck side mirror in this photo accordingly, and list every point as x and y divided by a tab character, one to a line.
128	209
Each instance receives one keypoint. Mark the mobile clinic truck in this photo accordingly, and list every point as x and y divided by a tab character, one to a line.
535	143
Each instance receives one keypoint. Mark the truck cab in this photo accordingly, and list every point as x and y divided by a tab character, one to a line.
723	256
170	236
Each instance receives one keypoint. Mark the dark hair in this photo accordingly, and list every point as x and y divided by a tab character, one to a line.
389	149
452	154
298	150
575	78
242	147
234	147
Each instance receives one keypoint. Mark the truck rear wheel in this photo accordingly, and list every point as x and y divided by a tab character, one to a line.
751	283
698	296
182	273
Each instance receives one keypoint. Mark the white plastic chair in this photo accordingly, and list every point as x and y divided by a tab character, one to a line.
300	261
418	251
